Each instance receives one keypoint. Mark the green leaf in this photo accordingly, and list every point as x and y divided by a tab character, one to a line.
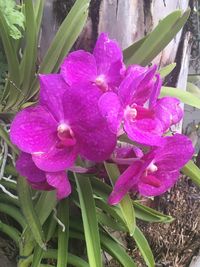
30	54
5	136
14	213
63	236
11	56
72	259
108	221
131	50
29	211
167	70
50	227
116	251
192	171
125	205
45	205
13	17
108	243
39	7
10	231
157	40
193	89
100	188
113	211
52	254
150	215
64	39
90	224
182	95
144	247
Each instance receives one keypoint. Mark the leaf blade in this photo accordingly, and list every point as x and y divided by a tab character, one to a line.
90	224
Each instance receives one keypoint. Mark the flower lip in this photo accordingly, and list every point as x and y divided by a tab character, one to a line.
65	134
151	180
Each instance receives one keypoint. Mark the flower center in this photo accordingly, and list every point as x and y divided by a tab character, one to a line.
130	113
152	167
66	135
101	82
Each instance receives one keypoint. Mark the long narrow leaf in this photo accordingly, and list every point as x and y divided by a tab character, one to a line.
63	234
167	70
90	224
158	39
108	243
11	56
150	215
192	171
10	231
39	7
115	250
64	39
28	62
144	247
45	205
29	211
14	213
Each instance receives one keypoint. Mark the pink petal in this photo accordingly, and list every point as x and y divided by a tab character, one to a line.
41	186
127	89
168	110
52	88
60	181
56	159
34	130
106	52
115	75
110	108
145	131
93	136
155	91
126	181
175	153
26	167
79	66
137	86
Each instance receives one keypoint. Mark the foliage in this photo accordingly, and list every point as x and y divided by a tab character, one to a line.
14	18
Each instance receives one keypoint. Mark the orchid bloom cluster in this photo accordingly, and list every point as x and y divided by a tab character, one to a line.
85	109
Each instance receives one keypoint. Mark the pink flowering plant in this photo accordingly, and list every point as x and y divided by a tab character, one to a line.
96	140
85	109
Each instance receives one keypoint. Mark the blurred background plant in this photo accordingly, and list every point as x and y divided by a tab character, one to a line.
78	230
